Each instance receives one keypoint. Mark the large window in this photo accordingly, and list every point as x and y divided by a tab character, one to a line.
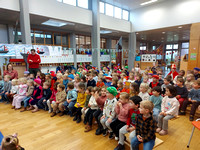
101	7
70	2
118	13
83	3
109	10
80	3
125	15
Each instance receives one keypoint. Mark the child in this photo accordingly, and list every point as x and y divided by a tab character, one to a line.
6	89
166	83
91	81
145	79
145	127
1	84
60	98
131	78
137	68
196	73
173	72
126	87
70	78
131	121
32	76
138	79
26	74
29	92
83	80
42	103
71	98
114	82
95	76
52	99
79	103
123	77
189	81
150	75
121	109
193	98
100	99
17	99
182	92
48	78
108	81
65	80
14	90
92	108
85	108
59	78
37	95
42	77
169	110
155	82
134	89
143	91
76	82
181	74
100	82
156	98
109	111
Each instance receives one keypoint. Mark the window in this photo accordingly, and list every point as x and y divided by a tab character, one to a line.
169	46
125	15
143	47
59	0
70	2
185	45
175	46
118	13
154	48
83	3
109	10
101	7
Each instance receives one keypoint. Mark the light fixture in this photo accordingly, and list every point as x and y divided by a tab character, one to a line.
184	37
105	32
163	32
149	2
153	40
56	23
180	27
137	33
175	35
162	38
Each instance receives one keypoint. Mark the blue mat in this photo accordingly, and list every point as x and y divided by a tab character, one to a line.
1	138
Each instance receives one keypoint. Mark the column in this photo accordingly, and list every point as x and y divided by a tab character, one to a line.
73	47
132	50
10	30
109	46
95	34
25	22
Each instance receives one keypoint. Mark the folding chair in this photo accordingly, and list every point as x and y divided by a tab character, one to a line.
196	124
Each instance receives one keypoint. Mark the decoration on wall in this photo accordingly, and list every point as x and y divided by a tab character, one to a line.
148	58
193	56
3	49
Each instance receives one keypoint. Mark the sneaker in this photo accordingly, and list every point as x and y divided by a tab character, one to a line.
53	114
120	147
111	136
191	118
158	130
116	138
163	132
78	120
61	114
182	113
75	118
105	132
50	111
89	128
98	131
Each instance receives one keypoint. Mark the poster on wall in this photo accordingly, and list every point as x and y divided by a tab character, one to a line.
148	58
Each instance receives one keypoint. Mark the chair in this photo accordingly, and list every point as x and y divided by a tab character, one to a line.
196	124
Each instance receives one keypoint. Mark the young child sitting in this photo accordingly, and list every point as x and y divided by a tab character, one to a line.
145	127
114	82
6	89
155	82
131	121
100	82
26	74
193	98
109	111
91	81
85	108
76	82
138	79
156	98
29	92
48	78
37	95
150	75
119	88
131	78
14	90
182	92
52	99
145	79
59	78
134	89
71	98
126	87
17	99
80	102
121	109
42	103
166	83
189	81
65	80
92	108
169	110
181	74
143	91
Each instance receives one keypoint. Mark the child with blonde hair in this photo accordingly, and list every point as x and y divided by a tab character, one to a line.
59	78
76	82
145	79
189	81
14	90
22	94
143	91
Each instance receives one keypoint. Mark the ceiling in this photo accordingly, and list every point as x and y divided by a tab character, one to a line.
166	35
129	4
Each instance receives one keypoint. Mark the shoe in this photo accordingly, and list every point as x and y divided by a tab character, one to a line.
53	114
35	110
158	130
181	113
89	128
50	111
120	147
163	132
116	139
75	118
30	108
191	118
78	120
61	114
105	132
13	107
23	109
17	108
111	136
98	131
86	126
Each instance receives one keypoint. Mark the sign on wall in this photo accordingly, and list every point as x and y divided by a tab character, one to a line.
148	58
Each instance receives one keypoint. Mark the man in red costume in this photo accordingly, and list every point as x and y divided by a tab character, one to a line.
34	61
173	72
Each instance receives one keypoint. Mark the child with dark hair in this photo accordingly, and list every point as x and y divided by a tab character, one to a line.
181	74
182	92
196	73
131	121
166	83
91	81
156	98
6	89
84	81
169	110
134	89
114	82
138	78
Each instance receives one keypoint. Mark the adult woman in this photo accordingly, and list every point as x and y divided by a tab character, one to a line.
11	72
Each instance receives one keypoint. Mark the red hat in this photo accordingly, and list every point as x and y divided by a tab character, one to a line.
155	76
109	77
38	81
173	66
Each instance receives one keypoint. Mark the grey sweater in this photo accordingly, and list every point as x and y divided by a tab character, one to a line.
7	86
194	94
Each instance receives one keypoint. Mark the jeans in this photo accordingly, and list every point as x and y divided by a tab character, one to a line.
4	97
146	145
163	121
156	112
26	101
69	105
42	105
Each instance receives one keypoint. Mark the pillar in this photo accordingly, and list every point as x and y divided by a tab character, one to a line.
73	47
109	46
132	50
10	30
25	22
95	34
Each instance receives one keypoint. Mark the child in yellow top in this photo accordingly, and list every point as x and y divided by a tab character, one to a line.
79	103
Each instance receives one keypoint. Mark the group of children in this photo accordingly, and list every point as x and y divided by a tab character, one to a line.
120	101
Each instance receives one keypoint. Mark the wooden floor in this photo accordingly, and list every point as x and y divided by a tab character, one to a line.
40	131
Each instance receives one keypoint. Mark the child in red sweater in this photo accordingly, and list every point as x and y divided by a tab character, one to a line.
154	83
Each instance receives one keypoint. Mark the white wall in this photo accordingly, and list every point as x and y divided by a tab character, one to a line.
10	4
3	34
165	14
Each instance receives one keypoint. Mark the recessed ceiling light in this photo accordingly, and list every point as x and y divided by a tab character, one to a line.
180	27
142	38
137	33
149	2
56	23
175	35
105	32
163	32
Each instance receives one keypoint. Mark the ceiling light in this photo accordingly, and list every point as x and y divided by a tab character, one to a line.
137	33
175	35
56	23
105	32
142	38
153	40
163	32
180	27
149	2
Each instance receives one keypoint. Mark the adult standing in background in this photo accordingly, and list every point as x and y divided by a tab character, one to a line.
11	72
34	61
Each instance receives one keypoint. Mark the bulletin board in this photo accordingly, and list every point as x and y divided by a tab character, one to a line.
148	58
